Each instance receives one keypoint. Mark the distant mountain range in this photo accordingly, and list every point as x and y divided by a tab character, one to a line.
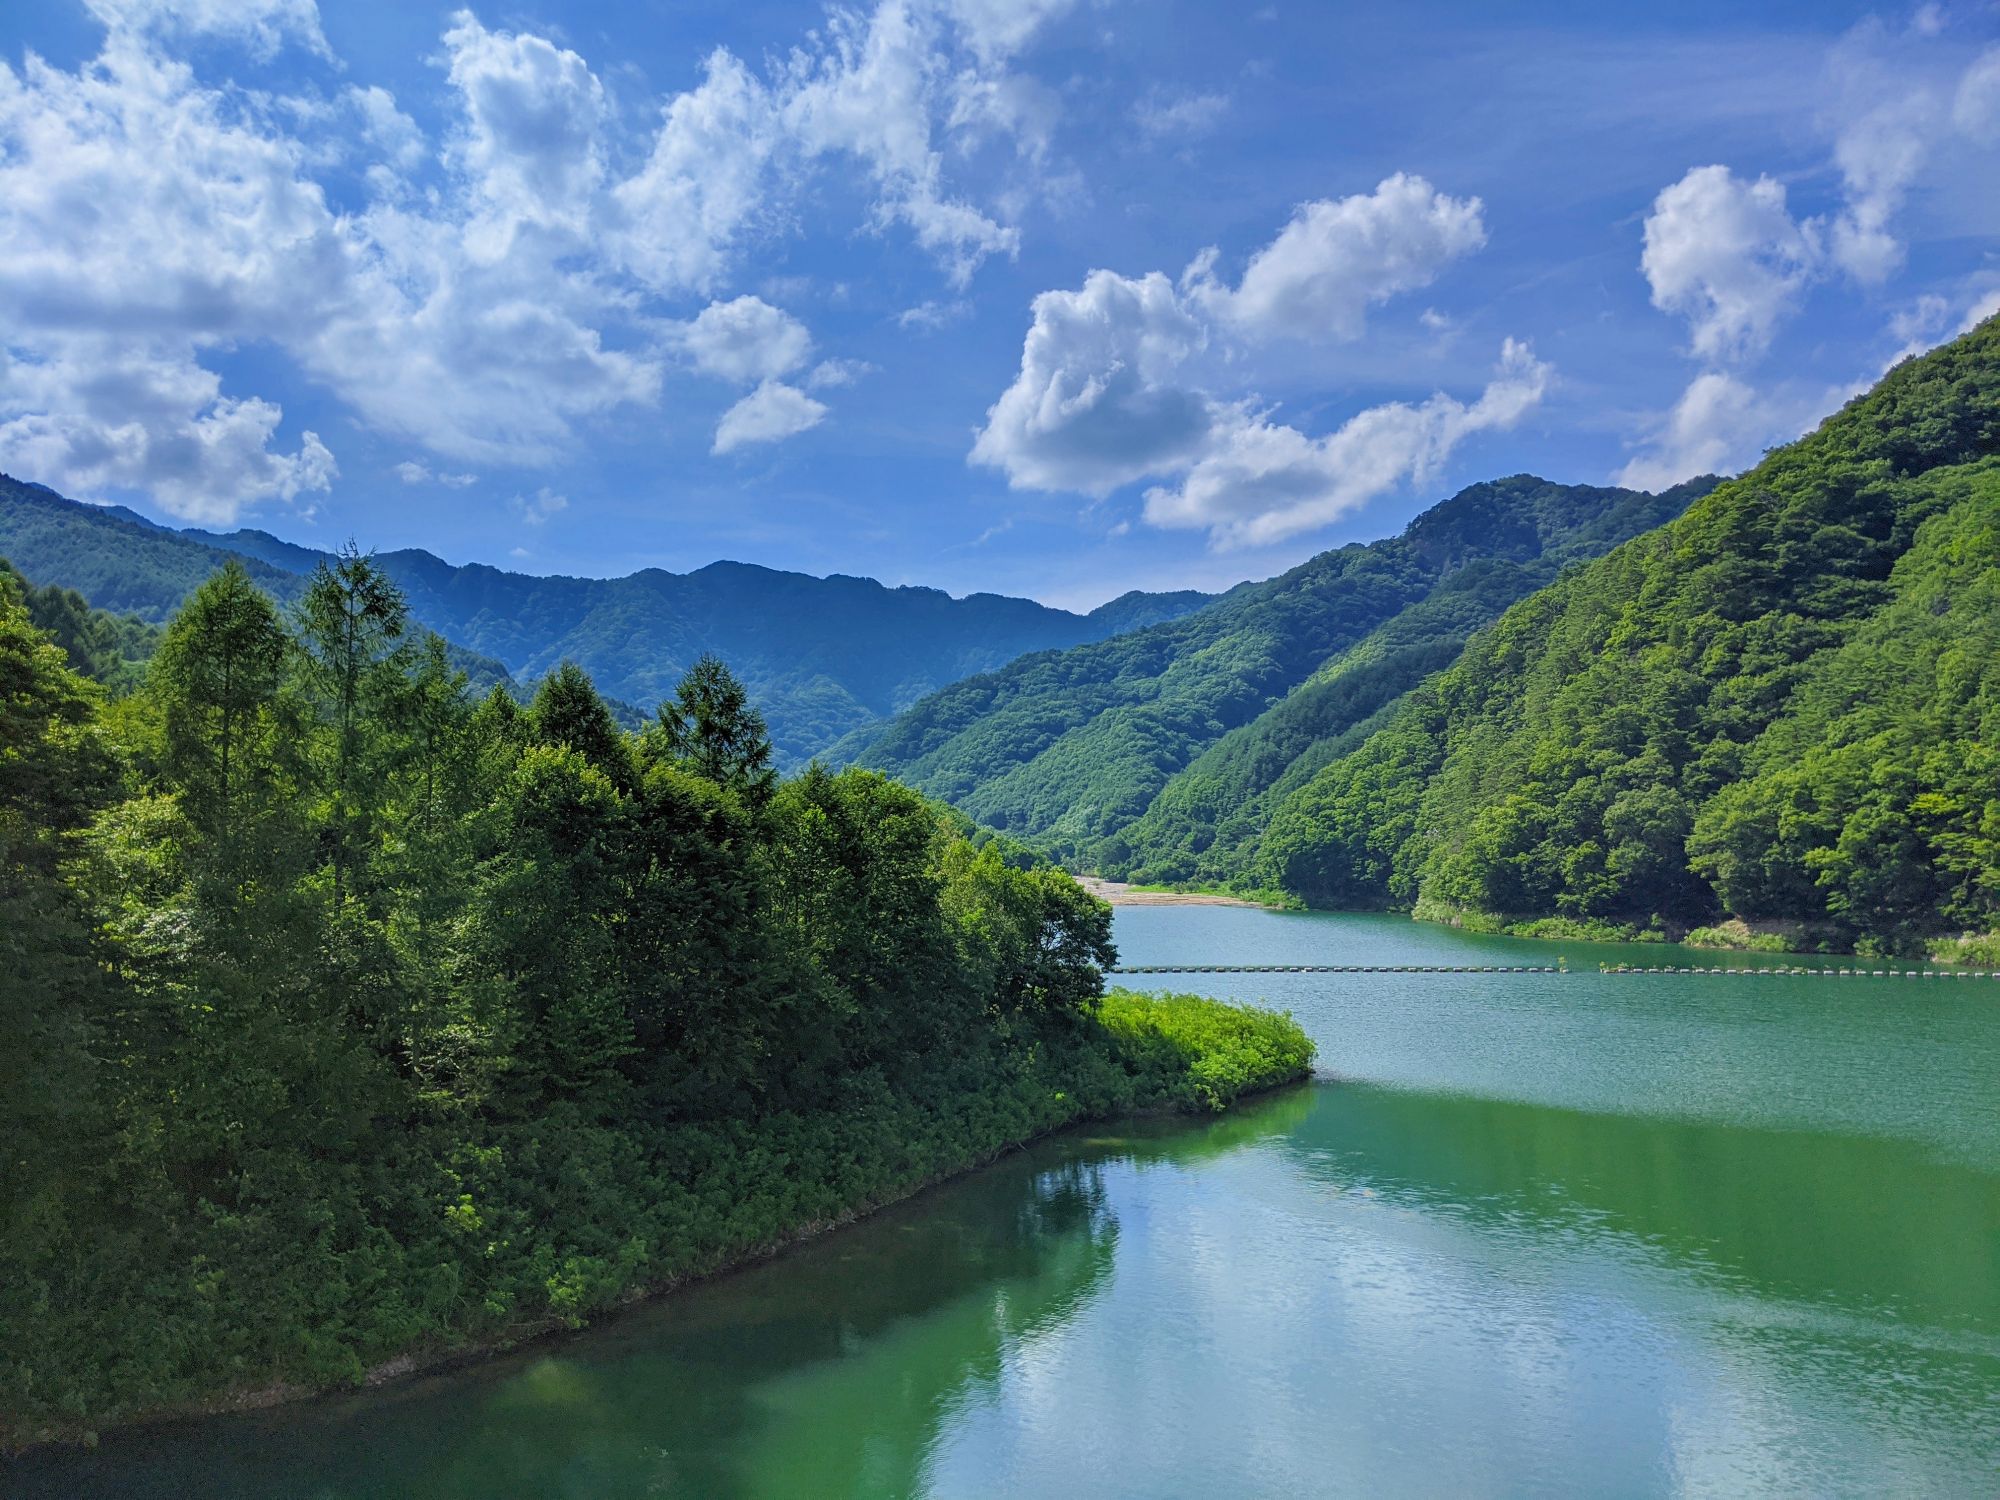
821	656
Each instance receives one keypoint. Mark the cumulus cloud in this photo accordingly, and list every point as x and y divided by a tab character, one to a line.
1337	257
747	340
1095	405
529	143
493	294
99	417
770	413
1726	255
1108	393
1259	482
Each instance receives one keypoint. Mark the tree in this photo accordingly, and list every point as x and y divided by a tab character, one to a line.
710	726
215	681
354	665
568	711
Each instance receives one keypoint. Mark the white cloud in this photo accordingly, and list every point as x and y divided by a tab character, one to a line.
530	144
412	472
1094	405
1726	255
747	340
831	374
263	26
1720	425
1260	482
1984	308
702	186
100	416
1337	257
872	94
487	300
1107	394
768	414
386	128
929	317
997	29
1160	115
536	509
1975	108
1879	155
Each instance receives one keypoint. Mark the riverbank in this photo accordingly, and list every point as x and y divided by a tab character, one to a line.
715	1199
1730	935
1117	893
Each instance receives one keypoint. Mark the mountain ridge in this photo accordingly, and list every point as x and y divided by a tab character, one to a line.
821	656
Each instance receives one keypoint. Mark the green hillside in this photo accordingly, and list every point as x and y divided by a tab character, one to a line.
1783	707
821	656
1147	751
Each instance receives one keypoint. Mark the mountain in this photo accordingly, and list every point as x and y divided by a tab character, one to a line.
1783	707
821	656
1070	749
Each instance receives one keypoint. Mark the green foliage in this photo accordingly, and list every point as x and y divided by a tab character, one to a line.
1196	1053
1982	949
107	648
820	657
1159	754
1784	705
348	1017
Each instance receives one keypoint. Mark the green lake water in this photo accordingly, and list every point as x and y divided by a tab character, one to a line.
1526	1235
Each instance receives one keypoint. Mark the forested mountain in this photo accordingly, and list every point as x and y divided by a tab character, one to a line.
348	1015
1784	706
820	656
1066	747
107	648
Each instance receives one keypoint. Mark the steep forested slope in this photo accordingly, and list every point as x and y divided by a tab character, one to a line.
820	655
1064	748
1784	705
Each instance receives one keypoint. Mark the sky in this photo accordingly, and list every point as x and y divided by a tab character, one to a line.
1056	298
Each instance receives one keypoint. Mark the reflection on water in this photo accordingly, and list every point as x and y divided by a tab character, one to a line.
1584	1235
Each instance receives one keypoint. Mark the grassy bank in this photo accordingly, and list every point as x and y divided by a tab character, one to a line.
550	1223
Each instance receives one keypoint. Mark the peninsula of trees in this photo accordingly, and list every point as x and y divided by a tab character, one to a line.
350	1017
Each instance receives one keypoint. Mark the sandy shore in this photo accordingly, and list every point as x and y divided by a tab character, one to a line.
1119	894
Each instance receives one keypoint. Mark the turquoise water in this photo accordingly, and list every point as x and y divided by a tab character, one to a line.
1541	1234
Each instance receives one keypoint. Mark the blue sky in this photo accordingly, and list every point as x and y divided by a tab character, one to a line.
1046	297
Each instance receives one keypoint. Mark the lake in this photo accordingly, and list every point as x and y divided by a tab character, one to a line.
1583	1234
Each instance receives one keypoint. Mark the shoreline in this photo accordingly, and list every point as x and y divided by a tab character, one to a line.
1118	893
442	1361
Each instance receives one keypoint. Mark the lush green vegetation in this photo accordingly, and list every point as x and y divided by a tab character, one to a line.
1783	707
820	656
109	649
1158	754
349	1016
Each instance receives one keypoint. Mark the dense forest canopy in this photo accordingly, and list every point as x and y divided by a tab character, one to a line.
1140	753
820	656
349	1013
1784	706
